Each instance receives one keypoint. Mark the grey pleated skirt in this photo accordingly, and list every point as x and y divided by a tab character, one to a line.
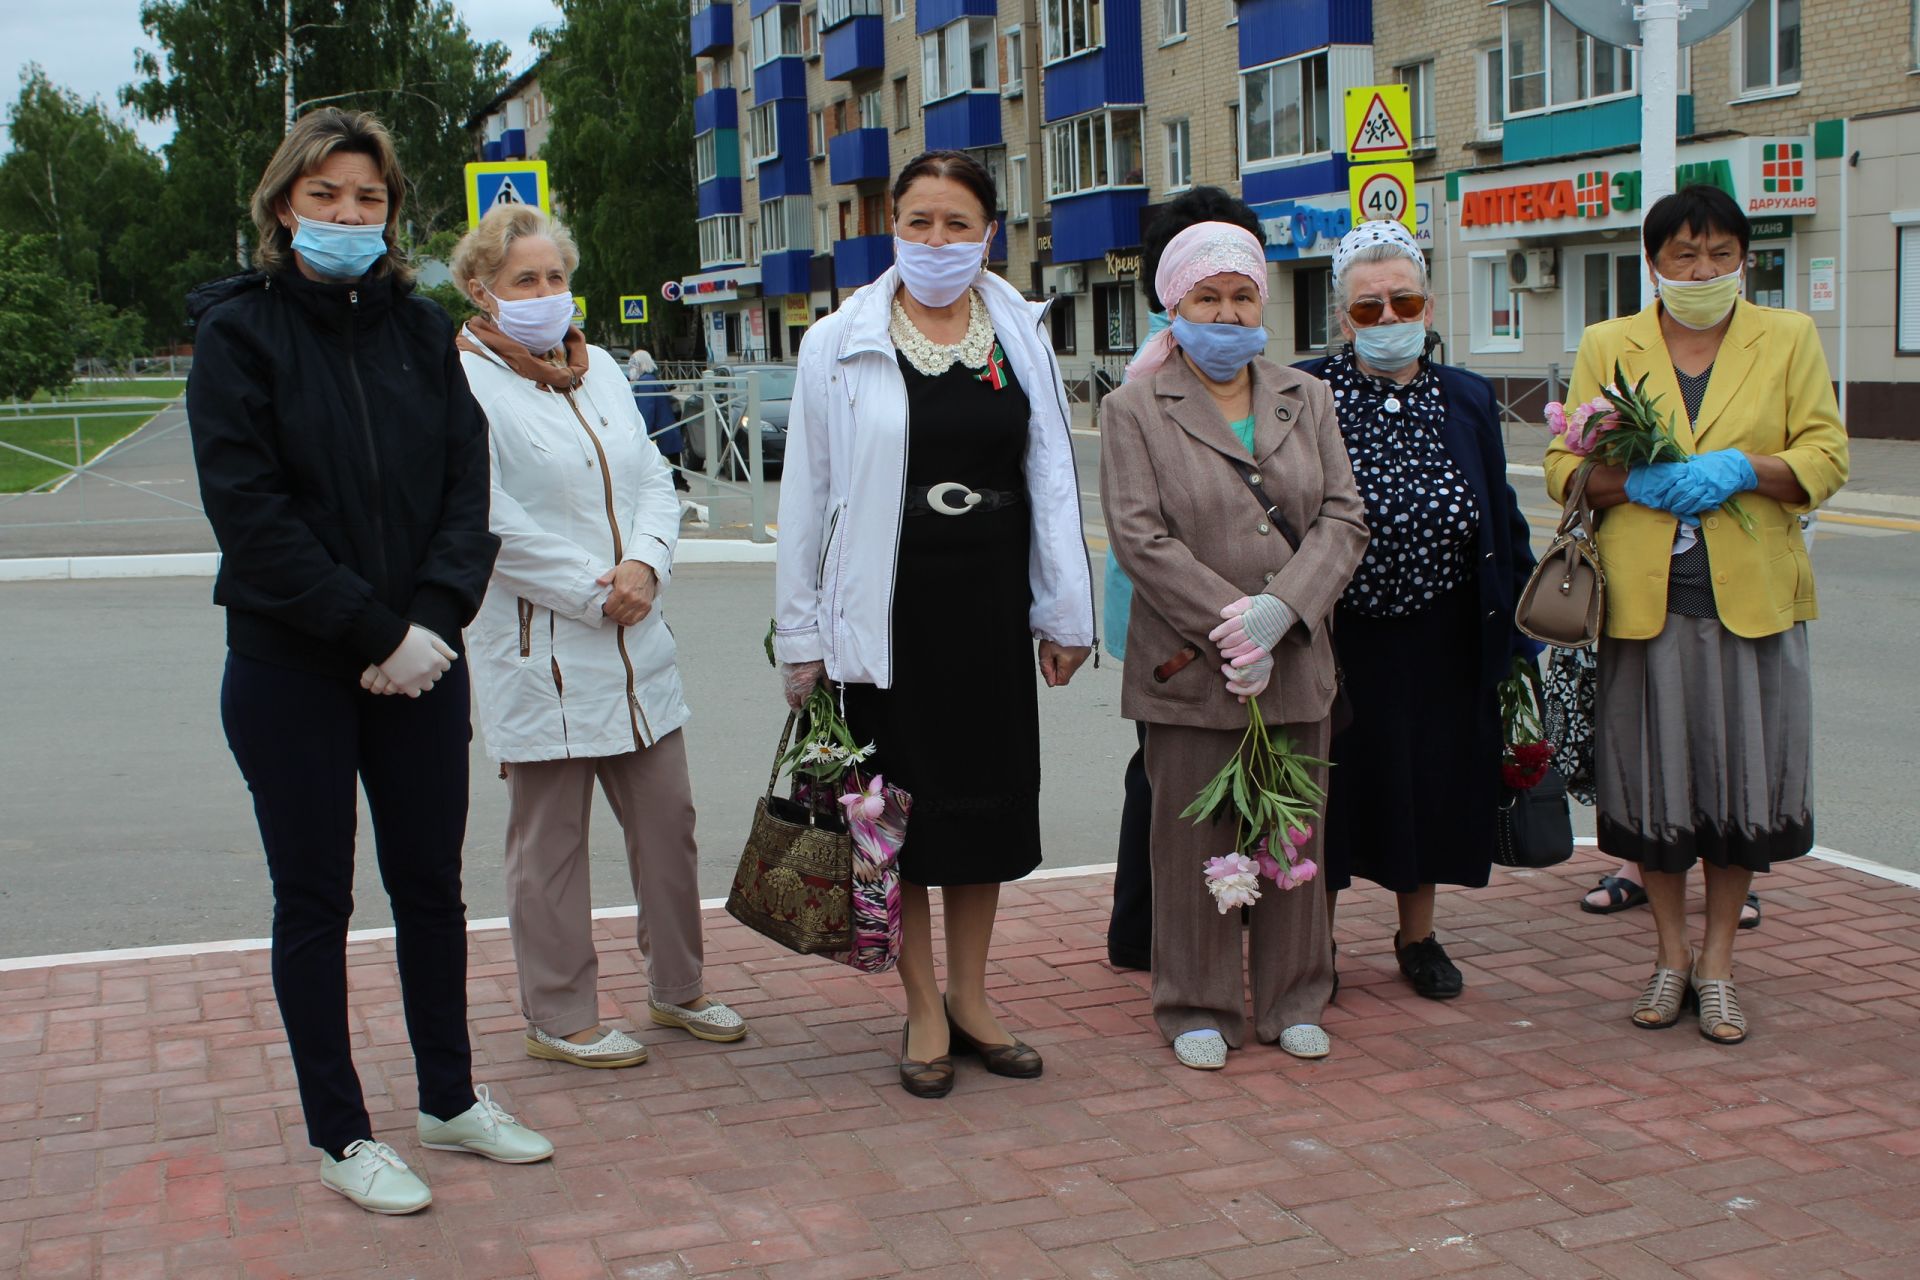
1703	747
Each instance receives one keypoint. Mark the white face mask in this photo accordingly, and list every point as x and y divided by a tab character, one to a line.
938	275
538	324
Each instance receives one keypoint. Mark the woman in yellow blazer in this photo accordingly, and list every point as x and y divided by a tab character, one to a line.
1704	713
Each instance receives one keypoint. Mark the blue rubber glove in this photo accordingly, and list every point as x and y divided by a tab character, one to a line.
1711	479
1653	484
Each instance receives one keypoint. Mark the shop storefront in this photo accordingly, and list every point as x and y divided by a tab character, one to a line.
732	314
1301	236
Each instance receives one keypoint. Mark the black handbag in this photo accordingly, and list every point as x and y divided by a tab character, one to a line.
1534	828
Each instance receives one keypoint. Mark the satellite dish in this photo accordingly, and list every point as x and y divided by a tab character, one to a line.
1613	20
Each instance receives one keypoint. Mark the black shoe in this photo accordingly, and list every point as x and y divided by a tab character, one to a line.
1426	965
1120	958
1335	993
1017	1060
925	1079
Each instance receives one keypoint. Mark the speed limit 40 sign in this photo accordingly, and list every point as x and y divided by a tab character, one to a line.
1382	192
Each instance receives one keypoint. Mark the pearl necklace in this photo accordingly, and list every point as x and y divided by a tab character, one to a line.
932	358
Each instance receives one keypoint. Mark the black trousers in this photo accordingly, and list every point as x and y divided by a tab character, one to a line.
302	741
1130	930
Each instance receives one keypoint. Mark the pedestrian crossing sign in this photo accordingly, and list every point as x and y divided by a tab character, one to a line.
493	183
579	312
633	308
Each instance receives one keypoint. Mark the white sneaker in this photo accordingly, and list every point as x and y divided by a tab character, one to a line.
485	1130
1304	1040
614	1049
715	1022
374	1177
1201	1050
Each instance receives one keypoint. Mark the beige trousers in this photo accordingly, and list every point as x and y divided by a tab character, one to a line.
549	899
1198	978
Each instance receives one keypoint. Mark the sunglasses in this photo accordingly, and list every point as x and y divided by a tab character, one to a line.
1407	304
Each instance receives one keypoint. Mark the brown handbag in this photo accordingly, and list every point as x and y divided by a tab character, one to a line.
1565	598
794	883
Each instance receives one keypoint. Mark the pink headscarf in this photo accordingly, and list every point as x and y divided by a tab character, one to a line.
1203	249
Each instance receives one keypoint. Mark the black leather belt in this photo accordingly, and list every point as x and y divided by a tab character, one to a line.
951	498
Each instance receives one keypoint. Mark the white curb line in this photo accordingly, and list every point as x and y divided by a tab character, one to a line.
204	564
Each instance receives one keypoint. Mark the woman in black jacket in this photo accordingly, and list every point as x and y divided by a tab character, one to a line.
343	465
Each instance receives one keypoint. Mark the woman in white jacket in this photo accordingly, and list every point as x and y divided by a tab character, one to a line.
572	663
929	536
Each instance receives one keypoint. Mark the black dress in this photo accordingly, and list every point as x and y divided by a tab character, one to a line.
960	728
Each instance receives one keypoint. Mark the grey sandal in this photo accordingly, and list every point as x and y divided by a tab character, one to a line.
1666	996
1719	1007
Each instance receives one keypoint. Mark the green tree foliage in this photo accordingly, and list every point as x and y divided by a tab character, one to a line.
455	303
619	78
37	317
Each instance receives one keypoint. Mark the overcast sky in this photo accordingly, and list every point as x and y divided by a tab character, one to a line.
88	45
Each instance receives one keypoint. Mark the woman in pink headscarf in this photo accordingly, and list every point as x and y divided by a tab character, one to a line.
1231	506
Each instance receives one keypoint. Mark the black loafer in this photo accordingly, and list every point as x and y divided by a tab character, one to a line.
1426	965
1018	1061
925	1079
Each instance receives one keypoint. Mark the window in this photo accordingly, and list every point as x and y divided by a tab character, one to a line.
751	242
1284	107
1072	27
835	12
1233	13
1312	305
1179	156
785	225
1233	131
1490	109
1769	46
958	58
870	114
1018	201
1907	307
1496	307
825	243
873	214
1419	81
776	34
1113	325
1552	63
1173	20
902	104
763	133
1061	320
1013	73
1599	286
1769	275
1094	151
899	9
809	33
994	160
706	157
816	134
720	240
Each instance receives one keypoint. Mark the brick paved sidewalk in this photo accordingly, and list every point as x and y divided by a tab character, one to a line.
148	1124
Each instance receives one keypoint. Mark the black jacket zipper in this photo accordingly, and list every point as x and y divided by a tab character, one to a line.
366	430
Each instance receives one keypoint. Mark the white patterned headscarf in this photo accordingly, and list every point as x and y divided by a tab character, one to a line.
1203	249
1393	234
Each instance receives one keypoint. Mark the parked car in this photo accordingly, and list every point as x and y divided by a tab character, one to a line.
776	399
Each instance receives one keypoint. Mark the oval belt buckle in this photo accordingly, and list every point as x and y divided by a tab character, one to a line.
937	495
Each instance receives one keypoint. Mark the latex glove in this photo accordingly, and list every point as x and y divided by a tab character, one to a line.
1248	681
421	659
1058	662
634	587
1711	479
1653	484
374	680
798	679
1253	626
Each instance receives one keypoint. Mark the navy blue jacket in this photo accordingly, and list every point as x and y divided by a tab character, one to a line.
1472	438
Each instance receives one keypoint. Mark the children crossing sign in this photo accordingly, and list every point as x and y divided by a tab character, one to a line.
633	308
579	312
493	183
1379	123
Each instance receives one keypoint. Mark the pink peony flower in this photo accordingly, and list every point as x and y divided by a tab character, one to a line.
1269	866
868	804
1556	418
1299	836
1298	873
1230	864
1233	880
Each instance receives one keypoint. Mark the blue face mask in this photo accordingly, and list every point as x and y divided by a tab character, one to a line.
1390	346
1219	350
338	251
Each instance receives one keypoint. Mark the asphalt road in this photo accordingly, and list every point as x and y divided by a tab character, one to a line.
123	821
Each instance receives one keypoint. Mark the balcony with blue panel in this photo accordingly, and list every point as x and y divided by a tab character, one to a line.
718	196
857	156
1086	227
1601	127
711	30
860	260
716	109
963	121
790	271
781	78
1296	181
997	251
1111	74
931	15
857	45
1275	29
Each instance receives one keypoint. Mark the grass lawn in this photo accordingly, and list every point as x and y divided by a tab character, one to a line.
120	389
47	428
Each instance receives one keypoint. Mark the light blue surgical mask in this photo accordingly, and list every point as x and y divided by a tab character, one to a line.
1219	350
338	251
1390	346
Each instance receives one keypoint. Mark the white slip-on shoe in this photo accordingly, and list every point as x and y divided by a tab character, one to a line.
1304	1040
374	1177
485	1130
614	1049
715	1022
1201	1050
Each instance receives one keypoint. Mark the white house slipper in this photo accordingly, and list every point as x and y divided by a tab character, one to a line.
614	1049
1305	1040
1201	1050
715	1022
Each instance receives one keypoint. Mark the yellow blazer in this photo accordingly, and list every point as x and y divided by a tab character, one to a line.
1769	394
